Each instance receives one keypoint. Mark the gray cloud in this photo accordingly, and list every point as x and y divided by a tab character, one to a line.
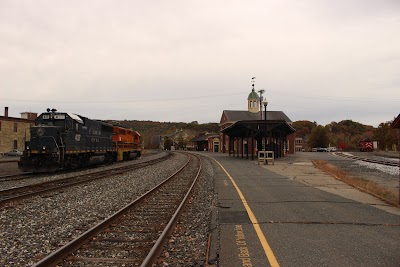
185	60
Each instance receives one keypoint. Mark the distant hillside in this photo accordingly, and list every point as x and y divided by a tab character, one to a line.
149	129
345	134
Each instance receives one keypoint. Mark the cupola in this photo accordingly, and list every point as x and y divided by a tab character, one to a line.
253	102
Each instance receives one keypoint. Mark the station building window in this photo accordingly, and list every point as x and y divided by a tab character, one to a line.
15	127
15	144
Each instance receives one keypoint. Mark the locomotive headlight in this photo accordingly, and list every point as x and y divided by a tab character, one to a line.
44	147
27	148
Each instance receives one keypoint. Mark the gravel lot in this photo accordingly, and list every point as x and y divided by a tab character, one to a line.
385	176
35	227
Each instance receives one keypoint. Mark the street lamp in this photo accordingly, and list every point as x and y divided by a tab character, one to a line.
265	103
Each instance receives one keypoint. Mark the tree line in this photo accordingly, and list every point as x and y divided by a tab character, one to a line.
346	134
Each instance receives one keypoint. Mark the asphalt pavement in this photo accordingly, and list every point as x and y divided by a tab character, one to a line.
291	214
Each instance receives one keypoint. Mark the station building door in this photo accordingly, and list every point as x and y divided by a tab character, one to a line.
216	146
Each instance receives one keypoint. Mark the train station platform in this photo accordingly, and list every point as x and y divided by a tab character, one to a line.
291	214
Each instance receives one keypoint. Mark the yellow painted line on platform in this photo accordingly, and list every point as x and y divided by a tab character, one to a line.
267	249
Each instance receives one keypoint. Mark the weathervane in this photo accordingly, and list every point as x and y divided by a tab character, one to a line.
252	81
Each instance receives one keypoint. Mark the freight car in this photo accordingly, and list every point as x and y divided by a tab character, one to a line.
68	141
365	145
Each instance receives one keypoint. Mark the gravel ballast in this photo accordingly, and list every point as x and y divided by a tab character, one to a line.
33	228
189	243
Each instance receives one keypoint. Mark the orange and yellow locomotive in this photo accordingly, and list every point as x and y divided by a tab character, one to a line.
127	143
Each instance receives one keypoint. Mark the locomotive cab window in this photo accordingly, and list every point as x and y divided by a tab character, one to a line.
68	124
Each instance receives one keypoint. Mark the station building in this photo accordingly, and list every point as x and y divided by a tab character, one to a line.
206	142
396	123
245	132
15	131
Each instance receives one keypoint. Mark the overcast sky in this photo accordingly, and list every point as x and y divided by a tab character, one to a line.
189	60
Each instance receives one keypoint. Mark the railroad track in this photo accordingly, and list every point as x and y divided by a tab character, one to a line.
15	177
22	192
366	159
20	176
9	160
135	235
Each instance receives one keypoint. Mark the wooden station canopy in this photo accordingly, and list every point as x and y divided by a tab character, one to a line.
275	131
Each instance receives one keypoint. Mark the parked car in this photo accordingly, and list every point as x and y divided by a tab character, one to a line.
322	149
332	149
14	153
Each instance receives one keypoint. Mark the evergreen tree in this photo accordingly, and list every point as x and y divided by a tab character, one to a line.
385	135
318	137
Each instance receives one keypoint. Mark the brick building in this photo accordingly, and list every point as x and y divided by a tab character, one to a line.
299	144
252	130
206	142
15	131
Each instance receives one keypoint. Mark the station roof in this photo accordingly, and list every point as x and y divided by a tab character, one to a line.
258	127
203	137
396	123
244	115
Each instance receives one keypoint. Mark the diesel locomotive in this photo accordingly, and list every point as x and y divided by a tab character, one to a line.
366	145
68	141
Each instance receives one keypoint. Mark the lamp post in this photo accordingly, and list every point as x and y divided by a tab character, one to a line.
265	103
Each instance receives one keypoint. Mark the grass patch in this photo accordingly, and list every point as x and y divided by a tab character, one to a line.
369	187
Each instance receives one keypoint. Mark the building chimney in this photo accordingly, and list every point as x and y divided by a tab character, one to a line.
32	116
6	112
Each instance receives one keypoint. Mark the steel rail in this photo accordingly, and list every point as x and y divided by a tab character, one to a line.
9	161
35	189
158	246
382	162
57	256
8	177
